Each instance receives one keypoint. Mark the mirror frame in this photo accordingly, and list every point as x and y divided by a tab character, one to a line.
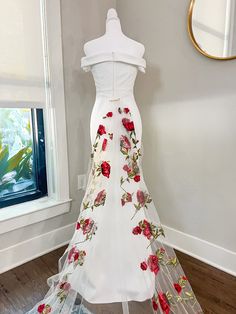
191	35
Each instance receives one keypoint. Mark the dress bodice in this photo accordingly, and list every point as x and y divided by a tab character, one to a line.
114	73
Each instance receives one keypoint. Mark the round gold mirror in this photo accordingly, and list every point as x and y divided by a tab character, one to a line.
212	28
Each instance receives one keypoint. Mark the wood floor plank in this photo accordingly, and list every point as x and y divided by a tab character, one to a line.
24	286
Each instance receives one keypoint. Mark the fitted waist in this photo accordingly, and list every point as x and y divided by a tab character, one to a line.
114	93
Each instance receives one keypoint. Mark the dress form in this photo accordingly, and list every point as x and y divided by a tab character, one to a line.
114	40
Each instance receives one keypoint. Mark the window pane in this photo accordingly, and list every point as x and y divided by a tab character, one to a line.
17	166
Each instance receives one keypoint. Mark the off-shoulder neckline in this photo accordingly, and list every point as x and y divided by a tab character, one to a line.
88	61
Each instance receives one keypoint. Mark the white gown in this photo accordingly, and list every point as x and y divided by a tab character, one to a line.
116	254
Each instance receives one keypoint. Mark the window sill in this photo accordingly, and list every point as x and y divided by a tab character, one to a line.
21	215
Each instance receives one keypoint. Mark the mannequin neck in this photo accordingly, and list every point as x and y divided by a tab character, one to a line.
113	27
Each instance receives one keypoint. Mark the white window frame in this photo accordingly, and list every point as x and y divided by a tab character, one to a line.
58	201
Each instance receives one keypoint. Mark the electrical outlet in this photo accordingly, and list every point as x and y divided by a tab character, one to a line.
81	181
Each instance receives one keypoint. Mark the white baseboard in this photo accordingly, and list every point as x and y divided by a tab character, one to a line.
25	251
205	251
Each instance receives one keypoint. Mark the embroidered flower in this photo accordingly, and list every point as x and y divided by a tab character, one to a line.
64	288
143	198
104	144
153	264
109	114
126	198
88	227
149	230
125	144
75	256
132	170
100	198
126	110
137	178
101	129
164	302
77	225
154	305
127	168
129	125
178	287
143	266
106	168
137	230
44	309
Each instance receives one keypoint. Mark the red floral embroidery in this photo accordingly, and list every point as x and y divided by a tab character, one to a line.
75	256
126	198
164	302
44	309
64	287
178	287
153	264
104	144
137	230
149	230
88	227
101	129
154	305
106	169
143	198
129	125
125	144
109	114
143	266
126	110
100	198
137	178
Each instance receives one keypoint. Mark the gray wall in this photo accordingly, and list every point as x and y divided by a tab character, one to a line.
188	106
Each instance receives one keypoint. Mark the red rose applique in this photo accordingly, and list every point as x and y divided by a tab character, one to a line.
137	178
100	198
104	144
178	287
153	264
101	129
129	125
44	309
106	168
126	198
109	114
164	302
126	110
154	305
143	266
137	230
41	308
141	197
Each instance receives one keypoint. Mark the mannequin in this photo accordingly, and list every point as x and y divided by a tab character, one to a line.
114	39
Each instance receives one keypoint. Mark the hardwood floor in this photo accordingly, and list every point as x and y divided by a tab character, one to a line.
23	286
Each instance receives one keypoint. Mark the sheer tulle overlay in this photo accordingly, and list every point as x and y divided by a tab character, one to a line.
117	261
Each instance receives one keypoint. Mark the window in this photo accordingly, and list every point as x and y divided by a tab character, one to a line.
32	114
22	155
